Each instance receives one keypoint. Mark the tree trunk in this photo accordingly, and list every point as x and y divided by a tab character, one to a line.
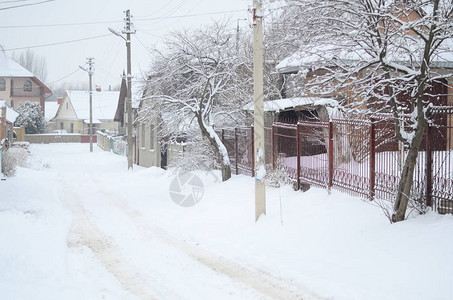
407	175
219	148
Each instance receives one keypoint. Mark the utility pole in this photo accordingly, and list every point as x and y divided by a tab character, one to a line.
127	30
258	113
90	71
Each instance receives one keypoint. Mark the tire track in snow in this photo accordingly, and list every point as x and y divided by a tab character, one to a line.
85	233
260	280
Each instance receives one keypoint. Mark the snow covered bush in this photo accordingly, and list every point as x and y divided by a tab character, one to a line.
197	155
12	158
31	117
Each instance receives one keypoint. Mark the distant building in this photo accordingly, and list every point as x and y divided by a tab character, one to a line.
18	85
73	114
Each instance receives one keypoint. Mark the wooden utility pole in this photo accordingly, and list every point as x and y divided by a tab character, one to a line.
128	31
258	98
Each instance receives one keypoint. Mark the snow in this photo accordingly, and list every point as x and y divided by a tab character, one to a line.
51	110
288	103
11	114
104	104
9	68
78	225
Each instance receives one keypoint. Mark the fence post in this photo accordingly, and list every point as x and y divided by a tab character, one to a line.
253	150
298	156
236	154
223	136
372	159
428	167
330	180
272	146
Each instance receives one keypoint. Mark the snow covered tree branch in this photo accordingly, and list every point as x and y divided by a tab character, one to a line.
378	56
199	78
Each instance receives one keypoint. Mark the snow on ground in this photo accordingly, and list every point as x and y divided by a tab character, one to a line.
78	225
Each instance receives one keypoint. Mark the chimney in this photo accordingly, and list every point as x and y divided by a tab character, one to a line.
59	100
98	88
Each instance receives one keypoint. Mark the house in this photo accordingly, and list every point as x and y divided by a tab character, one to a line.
73	114
18	85
147	144
51	108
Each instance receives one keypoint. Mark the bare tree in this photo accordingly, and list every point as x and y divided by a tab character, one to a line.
200	78
379	55
33	63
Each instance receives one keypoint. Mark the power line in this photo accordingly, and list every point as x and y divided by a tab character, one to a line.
58	43
28	4
12	1
64	77
108	22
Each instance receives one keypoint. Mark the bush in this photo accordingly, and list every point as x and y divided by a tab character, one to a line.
31	117
12	158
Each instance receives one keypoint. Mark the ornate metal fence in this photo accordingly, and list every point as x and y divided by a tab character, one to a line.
359	157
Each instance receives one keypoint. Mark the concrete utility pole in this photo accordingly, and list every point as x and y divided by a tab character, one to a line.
90	71
127	30
258	98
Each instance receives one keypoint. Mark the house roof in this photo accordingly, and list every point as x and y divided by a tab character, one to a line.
11	114
51	109
315	55
119	114
10	68
290	103
104	104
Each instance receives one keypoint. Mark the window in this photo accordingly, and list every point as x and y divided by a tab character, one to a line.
27	86
151	137
61	125
2	84
142	142
72	127
67	107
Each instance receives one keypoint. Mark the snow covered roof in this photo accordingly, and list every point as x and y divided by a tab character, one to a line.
285	104
11	114
313	55
94	121
51	109
104	104
9	68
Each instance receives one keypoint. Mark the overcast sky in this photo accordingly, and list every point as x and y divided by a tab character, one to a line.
152	20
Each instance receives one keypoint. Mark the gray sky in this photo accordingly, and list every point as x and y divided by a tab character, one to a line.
110	51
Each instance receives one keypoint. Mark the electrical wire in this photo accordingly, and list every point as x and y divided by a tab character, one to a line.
58	43
135	20
64	77
12	1
28	4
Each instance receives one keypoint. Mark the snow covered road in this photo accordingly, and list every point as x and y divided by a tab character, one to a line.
78	225
145	260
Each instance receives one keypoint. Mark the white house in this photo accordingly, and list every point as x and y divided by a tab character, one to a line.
73	113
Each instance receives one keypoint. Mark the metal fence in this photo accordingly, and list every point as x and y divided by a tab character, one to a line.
359	157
